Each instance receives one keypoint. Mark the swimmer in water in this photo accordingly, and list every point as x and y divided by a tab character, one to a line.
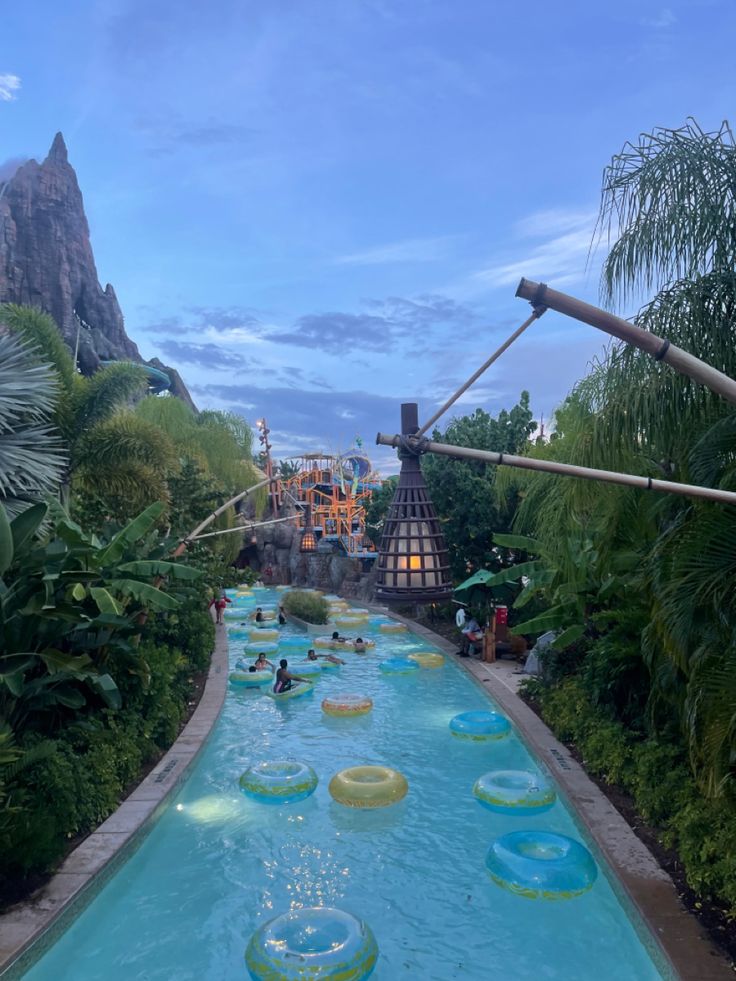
312	655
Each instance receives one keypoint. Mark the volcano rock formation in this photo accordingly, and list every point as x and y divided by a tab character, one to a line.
46	261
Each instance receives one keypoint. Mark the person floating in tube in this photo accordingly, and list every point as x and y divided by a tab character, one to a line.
337	639
312	655
285	680
259	615
263	664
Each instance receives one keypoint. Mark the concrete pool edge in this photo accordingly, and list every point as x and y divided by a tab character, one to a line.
648	888
85	870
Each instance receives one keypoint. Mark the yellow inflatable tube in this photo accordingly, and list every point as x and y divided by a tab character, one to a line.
347	705
368	786
392	628
426	659
264	633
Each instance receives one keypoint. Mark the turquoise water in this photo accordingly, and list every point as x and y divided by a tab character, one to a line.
217	865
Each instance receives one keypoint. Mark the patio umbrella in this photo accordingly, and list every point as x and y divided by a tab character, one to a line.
475	589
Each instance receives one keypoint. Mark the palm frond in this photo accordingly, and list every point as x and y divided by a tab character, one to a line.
669	206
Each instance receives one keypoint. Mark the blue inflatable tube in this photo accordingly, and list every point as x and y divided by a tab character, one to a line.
515	792
541	865
316	942
480	725
262	647
250	679
398	665
238	633
302	688
306	669
300	643
282	782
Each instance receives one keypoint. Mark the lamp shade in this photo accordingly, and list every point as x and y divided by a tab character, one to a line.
309	539
413	565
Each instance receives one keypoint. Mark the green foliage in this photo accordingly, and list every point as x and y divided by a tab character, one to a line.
306	606
656	775
375	512
462	491
71	606
31	455
53	790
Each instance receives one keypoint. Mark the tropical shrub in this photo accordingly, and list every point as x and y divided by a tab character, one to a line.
70	609
32	461
306	606
656	776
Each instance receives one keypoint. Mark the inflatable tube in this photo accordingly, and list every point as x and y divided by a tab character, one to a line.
480	725
238	633
303	641
347	705
350	621
398	665
427	659
235	613
266	614
317	942
336	645
368	786
305	688
333	598
306	669
262	633
250	679
282	589
392	628
515	792
281	782
265	647
460	618
541	865
329	665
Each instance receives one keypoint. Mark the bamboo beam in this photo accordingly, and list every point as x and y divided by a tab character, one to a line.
659	348
563	469
181	547
243	529
536	314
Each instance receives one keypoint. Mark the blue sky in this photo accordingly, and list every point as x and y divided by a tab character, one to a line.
317	209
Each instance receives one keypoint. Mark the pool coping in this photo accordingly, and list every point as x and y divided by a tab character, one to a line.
683	945
83	872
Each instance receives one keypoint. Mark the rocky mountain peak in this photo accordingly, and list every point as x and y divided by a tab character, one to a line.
58	151
46	261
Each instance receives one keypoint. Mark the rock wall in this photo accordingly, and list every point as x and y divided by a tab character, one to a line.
46	261
276	547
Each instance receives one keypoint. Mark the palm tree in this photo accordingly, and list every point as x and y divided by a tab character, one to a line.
112	452
669	209
32	460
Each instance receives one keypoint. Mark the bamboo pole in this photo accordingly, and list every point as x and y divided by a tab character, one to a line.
659	348
241	528
181	547
564	469
536	314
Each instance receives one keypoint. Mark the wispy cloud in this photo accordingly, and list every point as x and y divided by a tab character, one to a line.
204	355
9	85
409	250
562	255
661	21
8	167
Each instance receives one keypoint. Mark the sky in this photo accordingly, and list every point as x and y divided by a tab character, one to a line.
319	209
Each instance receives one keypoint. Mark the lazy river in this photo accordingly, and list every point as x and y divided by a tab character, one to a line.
218	865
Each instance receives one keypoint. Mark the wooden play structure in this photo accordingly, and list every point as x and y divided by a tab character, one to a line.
338	489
